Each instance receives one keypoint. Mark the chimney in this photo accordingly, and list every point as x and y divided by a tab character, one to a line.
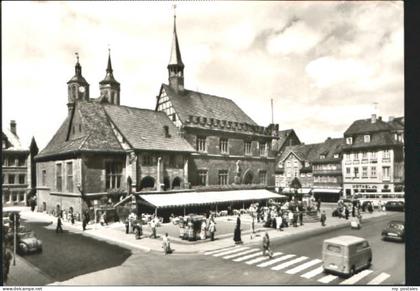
13	127
373	119
391	118
380	118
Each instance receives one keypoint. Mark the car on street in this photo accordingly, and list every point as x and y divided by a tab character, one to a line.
27	242
346	255
394	230
394	206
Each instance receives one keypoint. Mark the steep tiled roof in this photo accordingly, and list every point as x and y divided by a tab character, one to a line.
187	102
144	129
141	128
312	152
13	141
378	139
366	126
283	137
98	135
397	123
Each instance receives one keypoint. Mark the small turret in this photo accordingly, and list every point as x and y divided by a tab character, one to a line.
109	88
78	88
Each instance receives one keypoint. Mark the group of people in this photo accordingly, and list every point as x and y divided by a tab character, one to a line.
190	227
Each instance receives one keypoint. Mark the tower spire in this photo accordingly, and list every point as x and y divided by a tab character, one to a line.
109	87
176	66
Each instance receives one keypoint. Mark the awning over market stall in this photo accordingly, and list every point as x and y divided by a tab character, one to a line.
202	198
326	190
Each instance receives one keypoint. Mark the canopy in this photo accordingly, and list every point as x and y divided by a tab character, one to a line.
326	190
201	198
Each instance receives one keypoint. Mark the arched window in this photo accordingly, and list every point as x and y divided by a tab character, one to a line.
176	183
73	91
147	183
248	177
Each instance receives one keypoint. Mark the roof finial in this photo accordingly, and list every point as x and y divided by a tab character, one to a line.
77	56
174	7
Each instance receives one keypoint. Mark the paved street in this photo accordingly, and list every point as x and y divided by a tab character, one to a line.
69	254
298	263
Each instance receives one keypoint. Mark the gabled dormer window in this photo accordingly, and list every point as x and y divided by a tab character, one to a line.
349	140
306	164
336	156
322	157
366	138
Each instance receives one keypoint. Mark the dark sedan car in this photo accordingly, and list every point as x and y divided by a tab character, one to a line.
394	206
394	231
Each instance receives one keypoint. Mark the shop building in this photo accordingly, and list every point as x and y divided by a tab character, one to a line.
18	168
373	156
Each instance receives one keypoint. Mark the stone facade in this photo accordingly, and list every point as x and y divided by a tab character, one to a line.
18	168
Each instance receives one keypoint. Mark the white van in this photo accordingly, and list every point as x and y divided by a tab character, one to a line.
346	254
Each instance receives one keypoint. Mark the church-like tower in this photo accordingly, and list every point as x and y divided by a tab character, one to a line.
109	88
175	66
78	88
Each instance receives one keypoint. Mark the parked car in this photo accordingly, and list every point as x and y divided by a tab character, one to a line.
395	230
27	242
394	206
346	254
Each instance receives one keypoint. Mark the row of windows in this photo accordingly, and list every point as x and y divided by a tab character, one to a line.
325	179
373	172
171	161
386	154
325	167
367	138
14	161
13	196
59	177
11	179
295	174
223	177
201	146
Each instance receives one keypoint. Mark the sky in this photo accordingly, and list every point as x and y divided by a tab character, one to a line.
324	64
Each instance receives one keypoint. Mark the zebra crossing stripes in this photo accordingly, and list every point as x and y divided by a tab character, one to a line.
258	253
289	263
379	279
262	258
356	278
313	273
327	279
239	254
303	267
230	251
216	251
272	262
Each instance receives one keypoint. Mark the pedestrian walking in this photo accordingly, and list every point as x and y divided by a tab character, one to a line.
212	229
318	205
59	225
153	227
252	226
323	218
166	244
127	226
346	212
301	217
295	218
72	217
266	245
237	232
203	233
279	222
138	229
